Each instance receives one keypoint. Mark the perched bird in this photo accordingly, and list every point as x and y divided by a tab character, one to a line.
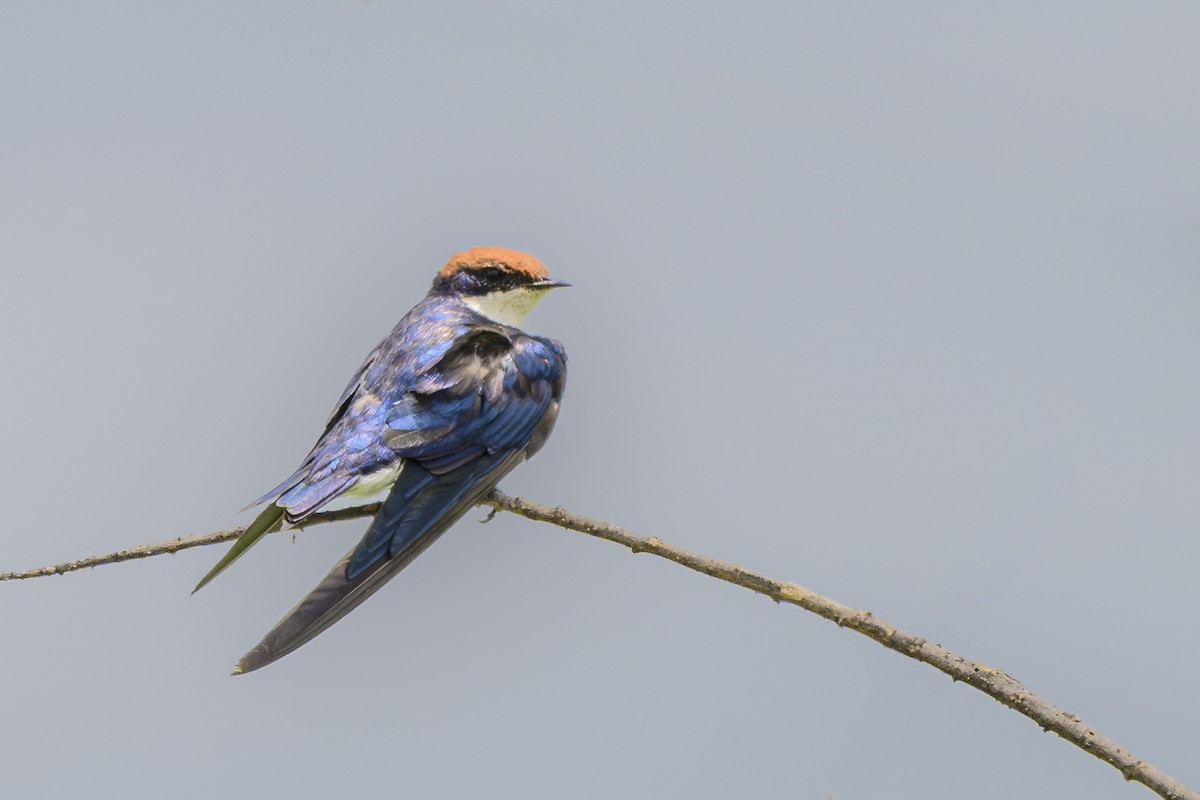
449	403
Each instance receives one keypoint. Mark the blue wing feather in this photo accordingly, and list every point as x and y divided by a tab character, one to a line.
446	465
460	422
305	498
378	539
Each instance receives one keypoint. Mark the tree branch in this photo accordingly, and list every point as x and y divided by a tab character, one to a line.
175	545
990	681
993	682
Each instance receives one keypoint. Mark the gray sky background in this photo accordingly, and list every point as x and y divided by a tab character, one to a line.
897	301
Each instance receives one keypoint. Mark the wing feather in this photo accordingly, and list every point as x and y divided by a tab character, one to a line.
465	422
339	593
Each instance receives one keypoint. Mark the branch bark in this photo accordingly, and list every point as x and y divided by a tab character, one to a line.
175	545
992	682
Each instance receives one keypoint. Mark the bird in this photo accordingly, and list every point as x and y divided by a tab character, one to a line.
451	401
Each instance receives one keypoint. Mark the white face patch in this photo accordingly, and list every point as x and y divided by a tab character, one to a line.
507	308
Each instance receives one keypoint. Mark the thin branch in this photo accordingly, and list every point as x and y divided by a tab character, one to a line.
175	545
996	683
993	682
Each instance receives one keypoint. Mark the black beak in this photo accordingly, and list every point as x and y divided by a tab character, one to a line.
550	284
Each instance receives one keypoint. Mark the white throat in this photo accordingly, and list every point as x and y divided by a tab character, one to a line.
507	308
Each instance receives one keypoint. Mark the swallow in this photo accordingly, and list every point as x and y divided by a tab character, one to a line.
451	401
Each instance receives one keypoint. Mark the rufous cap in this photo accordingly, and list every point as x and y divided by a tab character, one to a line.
502	257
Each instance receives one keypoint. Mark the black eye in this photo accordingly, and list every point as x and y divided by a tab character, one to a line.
491	274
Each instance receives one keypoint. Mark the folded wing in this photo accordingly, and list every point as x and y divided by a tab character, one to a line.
484	407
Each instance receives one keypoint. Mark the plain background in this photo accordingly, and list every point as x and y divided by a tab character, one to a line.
897	301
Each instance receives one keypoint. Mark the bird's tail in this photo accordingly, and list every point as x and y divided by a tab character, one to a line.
419	509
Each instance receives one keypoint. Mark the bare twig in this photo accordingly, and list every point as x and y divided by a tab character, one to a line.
988	680
993	682
175	545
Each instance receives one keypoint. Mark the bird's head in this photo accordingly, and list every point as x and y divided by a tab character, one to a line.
501	284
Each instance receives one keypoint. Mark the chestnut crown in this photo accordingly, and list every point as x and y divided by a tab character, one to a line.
483	270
